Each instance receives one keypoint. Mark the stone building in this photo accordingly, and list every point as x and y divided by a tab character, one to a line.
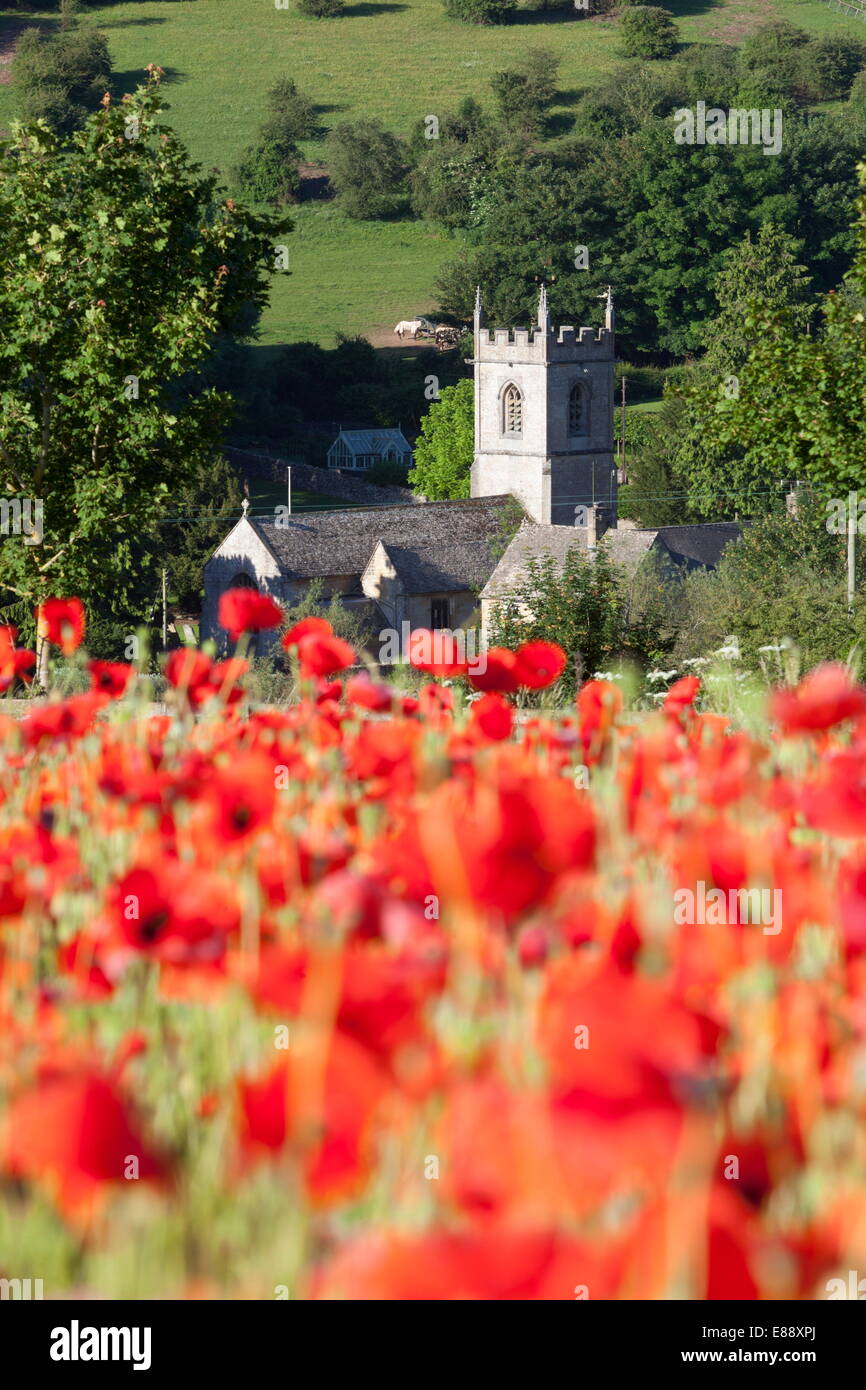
544	417
422	565
543	481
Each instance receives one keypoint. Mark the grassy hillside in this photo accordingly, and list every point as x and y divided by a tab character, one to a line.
394	61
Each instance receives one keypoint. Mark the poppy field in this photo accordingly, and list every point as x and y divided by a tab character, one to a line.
377	996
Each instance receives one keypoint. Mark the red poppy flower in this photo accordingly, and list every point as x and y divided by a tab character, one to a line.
73	1133
14	662
539	664
241	796
437	653
110	677
826	697
246	610
321	654
493	717
496	1265
64	623
225	678
369	694
496	669
189	671
681	695
173	912
331	1124
598	704
307	627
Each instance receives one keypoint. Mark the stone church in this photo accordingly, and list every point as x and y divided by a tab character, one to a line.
544	481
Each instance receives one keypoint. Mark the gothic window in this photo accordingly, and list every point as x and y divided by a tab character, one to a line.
512	410
243	581
576	410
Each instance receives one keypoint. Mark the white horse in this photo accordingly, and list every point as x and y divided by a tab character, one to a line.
411	326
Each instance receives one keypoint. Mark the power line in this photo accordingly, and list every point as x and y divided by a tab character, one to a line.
576	498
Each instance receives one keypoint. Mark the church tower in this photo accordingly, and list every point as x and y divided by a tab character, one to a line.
544	418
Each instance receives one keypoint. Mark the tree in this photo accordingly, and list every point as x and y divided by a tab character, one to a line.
733	480
446	446
204	508
291	113
119	266
268	170
61	78
589	608
646	31
801	402
367	164
784	580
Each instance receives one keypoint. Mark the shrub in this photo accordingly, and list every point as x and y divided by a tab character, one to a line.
771	44
647	32
367	164
480	11
827	66
268	171
321	9
292	114
524	94
62	78
857	95
388	473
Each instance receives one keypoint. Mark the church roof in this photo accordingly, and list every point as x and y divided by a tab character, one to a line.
435	546
689	545
535	542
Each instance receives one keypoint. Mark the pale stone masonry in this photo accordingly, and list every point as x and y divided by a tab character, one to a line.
544	417
543	483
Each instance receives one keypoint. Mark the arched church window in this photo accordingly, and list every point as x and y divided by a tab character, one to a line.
512	410
243	581
576	410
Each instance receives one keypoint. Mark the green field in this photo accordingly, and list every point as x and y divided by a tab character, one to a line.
395	61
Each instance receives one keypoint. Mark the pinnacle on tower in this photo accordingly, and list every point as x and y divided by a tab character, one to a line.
479	312
608	310
543	312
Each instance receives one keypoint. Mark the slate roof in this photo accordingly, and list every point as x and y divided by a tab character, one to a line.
373	441
690	545
435	546
699	545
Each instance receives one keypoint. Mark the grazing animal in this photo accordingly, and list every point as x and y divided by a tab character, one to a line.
411	326
446	337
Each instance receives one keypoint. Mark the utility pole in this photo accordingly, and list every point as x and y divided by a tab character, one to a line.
164	615
622	431
852	532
